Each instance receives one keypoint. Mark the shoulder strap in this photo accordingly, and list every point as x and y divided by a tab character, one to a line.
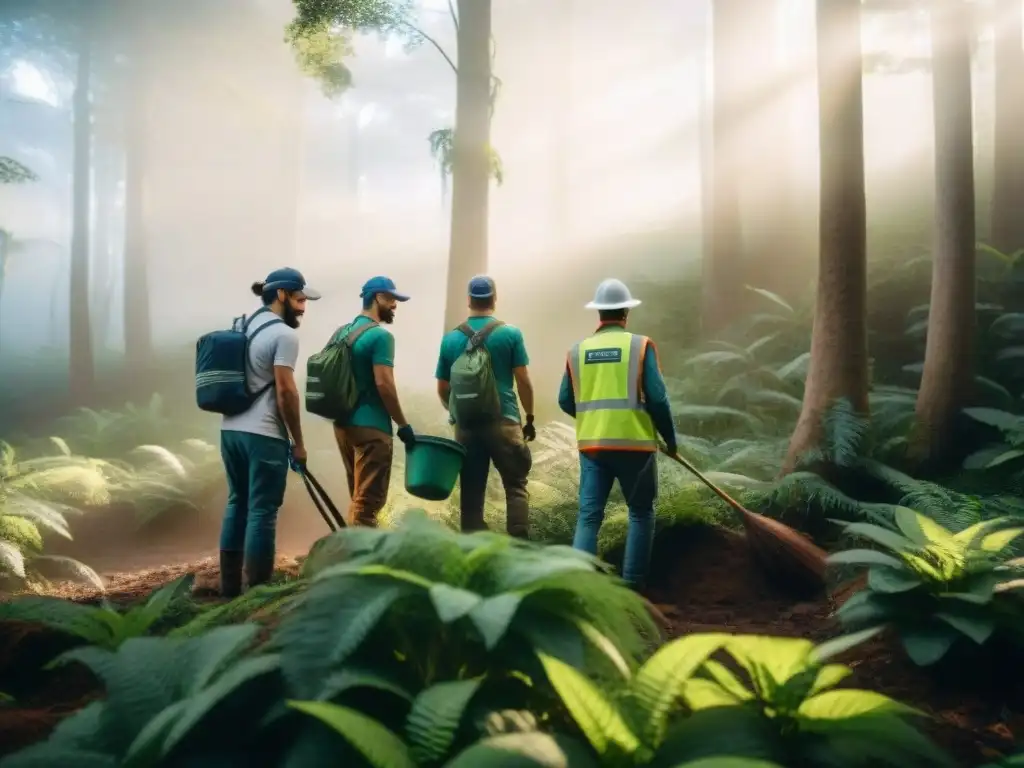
266	325
479	337
246	321
355	333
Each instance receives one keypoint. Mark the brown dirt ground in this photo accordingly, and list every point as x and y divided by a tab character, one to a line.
709	583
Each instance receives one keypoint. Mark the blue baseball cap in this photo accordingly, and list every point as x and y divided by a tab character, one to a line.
381	284
481	287
290	280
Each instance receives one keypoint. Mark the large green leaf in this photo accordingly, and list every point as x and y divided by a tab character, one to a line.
380	747
494	615
893	580
524	750
864	608
977	628
435	717
884	536
203	703
926	645
452	603
922	530
597	717
660	682
864	557
842	704
839	645
332	621
48	755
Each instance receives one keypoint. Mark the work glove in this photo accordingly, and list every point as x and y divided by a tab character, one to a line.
529	431
296	459
407	436
671	448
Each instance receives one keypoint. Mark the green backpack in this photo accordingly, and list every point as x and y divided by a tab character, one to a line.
331	389
474	398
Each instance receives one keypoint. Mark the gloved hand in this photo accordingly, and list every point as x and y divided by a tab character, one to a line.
671	448
296	458
407	436
529	431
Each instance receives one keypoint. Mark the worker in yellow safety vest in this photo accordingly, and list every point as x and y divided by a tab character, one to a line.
614	389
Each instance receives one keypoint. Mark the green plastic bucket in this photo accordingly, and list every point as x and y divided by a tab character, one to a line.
432	466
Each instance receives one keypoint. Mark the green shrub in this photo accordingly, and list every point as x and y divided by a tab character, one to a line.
103	625
934	587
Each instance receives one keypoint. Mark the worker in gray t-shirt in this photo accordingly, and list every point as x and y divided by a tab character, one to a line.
254	444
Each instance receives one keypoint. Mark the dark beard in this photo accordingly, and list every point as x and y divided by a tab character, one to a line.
291	317
387	316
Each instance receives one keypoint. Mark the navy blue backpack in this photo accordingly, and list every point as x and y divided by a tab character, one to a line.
222	368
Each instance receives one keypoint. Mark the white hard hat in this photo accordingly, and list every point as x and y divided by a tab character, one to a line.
613	294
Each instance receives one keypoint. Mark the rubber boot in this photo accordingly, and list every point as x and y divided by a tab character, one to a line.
230	574
258	571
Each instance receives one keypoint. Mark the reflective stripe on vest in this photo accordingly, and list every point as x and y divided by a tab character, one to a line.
605	370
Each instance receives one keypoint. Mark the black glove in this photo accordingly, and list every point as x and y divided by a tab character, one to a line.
671	448
407	436
529	431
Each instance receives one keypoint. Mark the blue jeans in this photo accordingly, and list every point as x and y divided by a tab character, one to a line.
257	472
637	474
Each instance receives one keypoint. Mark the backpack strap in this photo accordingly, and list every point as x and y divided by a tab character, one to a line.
247	321
262	390
353	335
476	338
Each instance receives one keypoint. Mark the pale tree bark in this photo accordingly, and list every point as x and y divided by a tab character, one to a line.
839	349
723	265
560	37
471	156
949	351
137	322
1008	180
81	368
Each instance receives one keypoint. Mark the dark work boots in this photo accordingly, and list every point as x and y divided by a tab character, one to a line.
230	574
258	571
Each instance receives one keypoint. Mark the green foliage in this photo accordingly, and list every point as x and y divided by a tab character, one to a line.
320	52
421	647
442	148
101	625
784	708
13	172
934	587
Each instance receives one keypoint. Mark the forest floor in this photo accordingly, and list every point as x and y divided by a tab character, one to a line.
712	586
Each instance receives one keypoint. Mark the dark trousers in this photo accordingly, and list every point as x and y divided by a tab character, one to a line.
257	473
503	444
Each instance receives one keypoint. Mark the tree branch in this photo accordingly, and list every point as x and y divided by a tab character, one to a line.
454	15
433	42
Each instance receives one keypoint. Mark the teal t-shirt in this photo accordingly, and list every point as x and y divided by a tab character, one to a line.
507	350
374	347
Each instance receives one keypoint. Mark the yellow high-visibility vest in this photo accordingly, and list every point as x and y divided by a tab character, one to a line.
606	372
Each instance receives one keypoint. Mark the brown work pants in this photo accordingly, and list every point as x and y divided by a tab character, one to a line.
366	454
503	444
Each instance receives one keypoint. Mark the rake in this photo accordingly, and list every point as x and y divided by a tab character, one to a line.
779	549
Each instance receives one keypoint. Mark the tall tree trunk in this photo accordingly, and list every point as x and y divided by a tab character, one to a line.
705	145
1008	182
137	330
560	36
107	174
948	361
723	246
467	251
839	347
81	370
